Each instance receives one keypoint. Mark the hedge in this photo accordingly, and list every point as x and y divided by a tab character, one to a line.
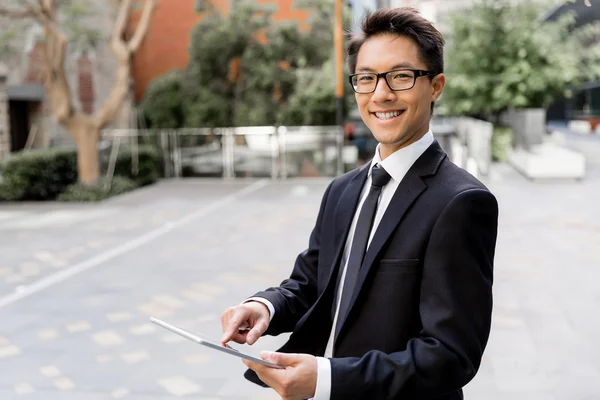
150	164
101	191
44	174
38	174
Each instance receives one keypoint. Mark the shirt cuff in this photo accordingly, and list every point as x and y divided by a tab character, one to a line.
266	303
323	390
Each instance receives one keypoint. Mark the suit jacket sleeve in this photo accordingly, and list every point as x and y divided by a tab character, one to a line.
296	295
455	309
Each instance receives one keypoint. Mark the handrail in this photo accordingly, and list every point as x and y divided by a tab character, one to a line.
275	142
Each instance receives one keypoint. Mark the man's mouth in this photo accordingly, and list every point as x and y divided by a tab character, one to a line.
388	114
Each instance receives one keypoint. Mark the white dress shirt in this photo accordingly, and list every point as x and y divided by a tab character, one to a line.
397	165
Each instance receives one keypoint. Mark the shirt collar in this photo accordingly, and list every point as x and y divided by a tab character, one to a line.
398	163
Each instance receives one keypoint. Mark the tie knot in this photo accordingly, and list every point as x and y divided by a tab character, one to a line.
379	176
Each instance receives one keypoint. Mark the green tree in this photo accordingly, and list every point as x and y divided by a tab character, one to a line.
163	97
313	101
503	55
246	70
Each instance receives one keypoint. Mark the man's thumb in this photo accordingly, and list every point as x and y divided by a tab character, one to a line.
278	358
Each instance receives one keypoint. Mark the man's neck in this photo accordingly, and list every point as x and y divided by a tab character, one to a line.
386	150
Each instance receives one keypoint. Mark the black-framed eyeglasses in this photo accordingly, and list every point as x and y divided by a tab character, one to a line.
398	79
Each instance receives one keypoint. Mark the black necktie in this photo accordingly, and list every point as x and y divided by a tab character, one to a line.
379	178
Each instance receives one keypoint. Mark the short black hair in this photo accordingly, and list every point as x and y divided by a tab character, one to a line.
404	21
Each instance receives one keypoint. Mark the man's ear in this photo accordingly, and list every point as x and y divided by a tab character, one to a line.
438	83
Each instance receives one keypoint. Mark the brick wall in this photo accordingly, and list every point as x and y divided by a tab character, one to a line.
85	83
35	64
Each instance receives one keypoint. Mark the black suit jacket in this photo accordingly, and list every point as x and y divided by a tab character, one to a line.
420	317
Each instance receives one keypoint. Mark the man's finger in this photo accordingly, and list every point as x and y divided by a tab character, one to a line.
263	372
256	367
240	337
236	336
256	332
235	322
225	318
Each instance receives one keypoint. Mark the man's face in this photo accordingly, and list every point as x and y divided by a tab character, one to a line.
384	53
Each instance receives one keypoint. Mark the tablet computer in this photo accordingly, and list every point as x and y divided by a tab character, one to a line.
212	344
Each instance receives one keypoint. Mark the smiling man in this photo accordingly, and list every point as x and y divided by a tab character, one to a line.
393	297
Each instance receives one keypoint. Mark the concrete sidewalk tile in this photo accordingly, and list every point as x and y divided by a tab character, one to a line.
143	329
154	310
180	386
119	316
168	301
173	338
48	334
50	371
119	393
107	338
197	359
135	357
197	296
64	383
24	388
79	326
104	358
9	351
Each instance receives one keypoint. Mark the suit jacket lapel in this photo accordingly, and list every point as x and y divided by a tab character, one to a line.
346	207
408	191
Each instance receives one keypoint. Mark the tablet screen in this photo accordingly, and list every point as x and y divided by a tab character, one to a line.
212	344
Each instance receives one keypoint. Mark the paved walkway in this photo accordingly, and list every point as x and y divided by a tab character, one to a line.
78	284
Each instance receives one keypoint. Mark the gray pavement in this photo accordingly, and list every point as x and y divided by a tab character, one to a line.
78	284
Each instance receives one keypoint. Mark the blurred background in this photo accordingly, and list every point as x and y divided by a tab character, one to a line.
167	158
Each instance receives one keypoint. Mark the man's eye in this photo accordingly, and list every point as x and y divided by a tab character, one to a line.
365	78
401	76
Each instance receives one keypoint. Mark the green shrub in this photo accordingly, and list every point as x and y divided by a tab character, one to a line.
150	164
38	174
43	174
101	191
502	139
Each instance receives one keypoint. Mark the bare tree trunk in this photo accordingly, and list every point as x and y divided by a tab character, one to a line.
86	135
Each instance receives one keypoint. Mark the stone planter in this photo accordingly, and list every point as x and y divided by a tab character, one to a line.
528	125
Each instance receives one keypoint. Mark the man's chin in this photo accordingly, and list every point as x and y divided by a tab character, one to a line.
389	138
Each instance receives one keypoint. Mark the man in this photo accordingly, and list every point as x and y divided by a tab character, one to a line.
393	297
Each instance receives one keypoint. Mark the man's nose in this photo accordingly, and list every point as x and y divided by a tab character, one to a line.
382	91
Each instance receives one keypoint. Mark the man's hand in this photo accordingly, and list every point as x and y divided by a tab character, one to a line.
245	323
297	381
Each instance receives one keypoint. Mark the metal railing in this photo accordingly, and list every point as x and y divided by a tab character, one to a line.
260	151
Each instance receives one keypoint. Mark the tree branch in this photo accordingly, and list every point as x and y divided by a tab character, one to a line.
57	87
44	12
121	21
48	6
112	104
119	47
123	51
27	12
142	27
60	49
